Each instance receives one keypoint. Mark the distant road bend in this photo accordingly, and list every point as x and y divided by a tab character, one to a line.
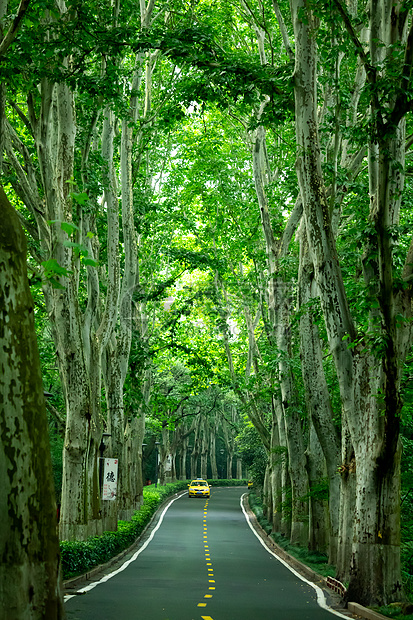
202	562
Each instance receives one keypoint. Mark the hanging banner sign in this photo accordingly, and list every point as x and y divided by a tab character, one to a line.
168	463
110	479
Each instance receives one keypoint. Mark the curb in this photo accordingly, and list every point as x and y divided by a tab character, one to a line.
354	610
364	612
68	584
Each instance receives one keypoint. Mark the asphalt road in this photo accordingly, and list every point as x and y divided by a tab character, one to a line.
203	563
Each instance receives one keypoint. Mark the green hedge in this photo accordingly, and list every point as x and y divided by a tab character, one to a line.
79	557
227	483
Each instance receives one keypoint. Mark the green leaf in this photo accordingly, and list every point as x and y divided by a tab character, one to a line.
51	267
90	262
55	283
81	198
78	247
68	228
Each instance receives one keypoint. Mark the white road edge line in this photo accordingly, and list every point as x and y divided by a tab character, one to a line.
132	559
321	599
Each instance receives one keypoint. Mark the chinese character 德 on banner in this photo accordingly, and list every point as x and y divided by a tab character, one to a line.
110	479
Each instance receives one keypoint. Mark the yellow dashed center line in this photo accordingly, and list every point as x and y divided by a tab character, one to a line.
208	562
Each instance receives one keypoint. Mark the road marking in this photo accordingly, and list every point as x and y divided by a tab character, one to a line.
208	562
133	558
321	600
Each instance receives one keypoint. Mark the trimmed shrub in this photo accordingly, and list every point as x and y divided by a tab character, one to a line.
227	483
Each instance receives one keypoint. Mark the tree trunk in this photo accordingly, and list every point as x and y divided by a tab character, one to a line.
212	454
30	579
316	391
318	514
347	472
229	466
267	499
277	462
283	458
204	450
293	431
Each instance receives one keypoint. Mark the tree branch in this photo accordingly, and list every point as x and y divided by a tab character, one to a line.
14	27
57	416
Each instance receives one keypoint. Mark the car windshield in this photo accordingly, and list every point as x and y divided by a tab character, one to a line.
198	483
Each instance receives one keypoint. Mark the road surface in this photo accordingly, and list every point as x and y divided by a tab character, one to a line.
203	563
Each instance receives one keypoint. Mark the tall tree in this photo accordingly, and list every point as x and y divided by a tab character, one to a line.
30	580
368	370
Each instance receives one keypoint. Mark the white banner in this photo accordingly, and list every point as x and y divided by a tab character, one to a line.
168	463
110	479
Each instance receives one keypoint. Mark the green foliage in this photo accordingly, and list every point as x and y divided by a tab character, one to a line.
396	610
252	452
223	482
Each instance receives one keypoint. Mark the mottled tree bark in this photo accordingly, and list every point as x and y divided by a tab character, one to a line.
30	580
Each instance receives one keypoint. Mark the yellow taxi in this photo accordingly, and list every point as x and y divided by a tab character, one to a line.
199	488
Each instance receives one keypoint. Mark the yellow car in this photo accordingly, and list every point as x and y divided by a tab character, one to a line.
250	484
199	488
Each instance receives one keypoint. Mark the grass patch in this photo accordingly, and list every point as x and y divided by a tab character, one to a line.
396	611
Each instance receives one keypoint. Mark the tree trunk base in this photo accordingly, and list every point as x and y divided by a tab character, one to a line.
376	580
